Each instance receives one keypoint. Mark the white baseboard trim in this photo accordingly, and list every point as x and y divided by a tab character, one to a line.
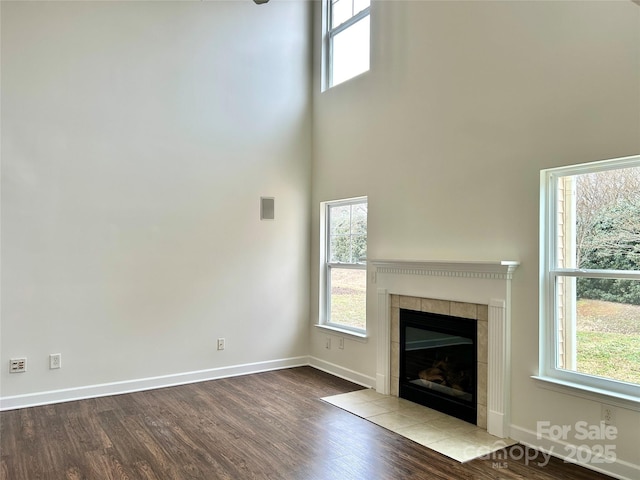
138	385
345	373
568	452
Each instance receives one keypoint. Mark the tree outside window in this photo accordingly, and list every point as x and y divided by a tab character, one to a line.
345	269
591	287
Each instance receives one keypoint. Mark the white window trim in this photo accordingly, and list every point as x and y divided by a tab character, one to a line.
581	384
325	266
329	33
363	337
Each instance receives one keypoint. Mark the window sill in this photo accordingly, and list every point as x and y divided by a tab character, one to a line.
590	393
360	337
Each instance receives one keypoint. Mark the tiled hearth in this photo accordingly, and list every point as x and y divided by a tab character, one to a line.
472	311
449	436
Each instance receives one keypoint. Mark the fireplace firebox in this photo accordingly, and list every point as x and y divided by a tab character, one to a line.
438	362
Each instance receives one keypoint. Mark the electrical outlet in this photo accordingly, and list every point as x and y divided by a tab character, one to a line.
55	361
608	415
221	344
327	344
341	343
18	365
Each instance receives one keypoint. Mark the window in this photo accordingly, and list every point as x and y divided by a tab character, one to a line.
590	275
346	39
344	265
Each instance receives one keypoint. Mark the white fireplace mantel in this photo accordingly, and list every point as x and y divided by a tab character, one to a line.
501	269
480	282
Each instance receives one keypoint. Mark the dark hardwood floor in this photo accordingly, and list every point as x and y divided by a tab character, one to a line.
265	426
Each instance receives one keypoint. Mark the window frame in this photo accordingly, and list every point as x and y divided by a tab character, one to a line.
550	272
329	34
326	266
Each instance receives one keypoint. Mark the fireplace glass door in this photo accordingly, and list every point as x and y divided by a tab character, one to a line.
438	362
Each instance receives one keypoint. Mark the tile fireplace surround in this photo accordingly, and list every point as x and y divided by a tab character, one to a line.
471	311
476	290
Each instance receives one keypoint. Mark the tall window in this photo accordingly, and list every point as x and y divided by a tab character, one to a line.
590	265
345	264
346	39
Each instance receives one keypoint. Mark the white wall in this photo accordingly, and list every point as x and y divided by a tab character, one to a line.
464	104
137	139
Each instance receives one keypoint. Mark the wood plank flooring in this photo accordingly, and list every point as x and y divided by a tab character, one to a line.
270	425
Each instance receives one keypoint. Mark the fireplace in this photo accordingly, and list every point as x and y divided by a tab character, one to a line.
478	291
438	362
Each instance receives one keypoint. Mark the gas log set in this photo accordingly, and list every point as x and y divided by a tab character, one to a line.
447	374
438	362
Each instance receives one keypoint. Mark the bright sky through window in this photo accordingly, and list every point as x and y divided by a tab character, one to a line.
348	39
